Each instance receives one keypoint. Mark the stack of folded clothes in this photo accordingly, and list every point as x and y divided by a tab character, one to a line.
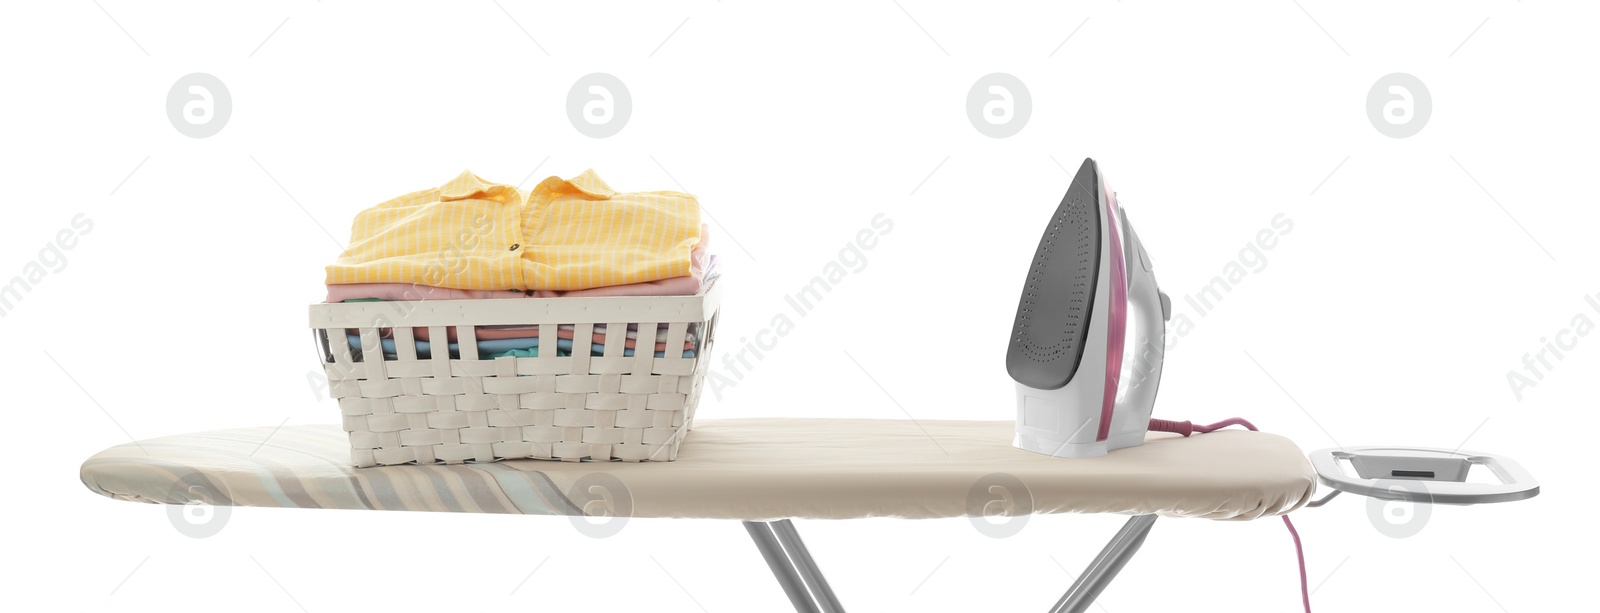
473	239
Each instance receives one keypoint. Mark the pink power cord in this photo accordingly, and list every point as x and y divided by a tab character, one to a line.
1185	428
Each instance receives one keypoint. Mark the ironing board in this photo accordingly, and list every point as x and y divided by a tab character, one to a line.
762	472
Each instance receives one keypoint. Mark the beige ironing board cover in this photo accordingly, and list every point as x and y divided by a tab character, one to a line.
748	469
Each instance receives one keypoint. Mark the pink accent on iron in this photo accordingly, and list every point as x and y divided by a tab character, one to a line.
1116	334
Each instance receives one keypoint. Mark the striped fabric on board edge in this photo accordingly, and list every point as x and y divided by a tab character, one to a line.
308	466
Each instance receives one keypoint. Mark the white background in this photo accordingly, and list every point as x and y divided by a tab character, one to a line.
1418	273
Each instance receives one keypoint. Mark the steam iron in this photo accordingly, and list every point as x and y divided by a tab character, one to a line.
1087	346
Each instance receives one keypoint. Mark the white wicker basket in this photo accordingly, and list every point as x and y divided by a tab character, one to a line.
405	409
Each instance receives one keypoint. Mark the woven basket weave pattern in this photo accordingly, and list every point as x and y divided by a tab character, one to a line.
452	410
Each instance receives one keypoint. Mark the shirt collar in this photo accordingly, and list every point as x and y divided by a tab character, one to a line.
588	182
467	185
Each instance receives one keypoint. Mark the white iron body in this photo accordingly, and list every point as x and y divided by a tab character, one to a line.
1067	421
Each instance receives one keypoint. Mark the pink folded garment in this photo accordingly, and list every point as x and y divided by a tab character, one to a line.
675	286
598	336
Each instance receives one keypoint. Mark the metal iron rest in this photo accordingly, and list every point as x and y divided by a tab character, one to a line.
1421	474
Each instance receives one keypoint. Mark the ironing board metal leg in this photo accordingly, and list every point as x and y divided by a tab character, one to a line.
808	567
1105	566
782	568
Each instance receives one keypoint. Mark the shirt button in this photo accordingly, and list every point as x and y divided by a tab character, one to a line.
514	247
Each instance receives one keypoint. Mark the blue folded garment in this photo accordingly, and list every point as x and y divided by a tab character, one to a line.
507	347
